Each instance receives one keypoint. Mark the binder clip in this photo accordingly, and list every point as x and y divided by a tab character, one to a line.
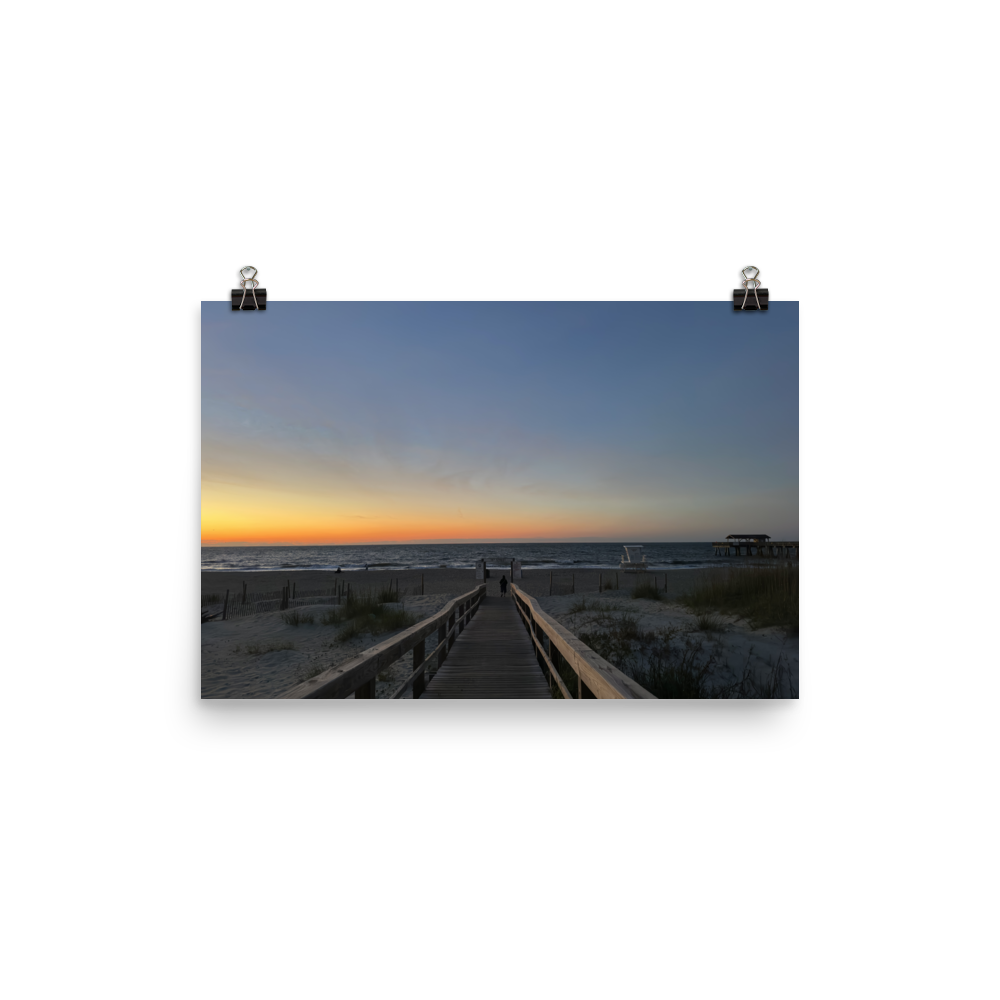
741	298
258	296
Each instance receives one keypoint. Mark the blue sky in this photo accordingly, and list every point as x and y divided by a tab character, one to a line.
366	422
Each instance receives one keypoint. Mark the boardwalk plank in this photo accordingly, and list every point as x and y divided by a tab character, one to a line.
492	658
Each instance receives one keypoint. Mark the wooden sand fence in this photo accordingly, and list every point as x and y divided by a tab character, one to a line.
563	583
241	603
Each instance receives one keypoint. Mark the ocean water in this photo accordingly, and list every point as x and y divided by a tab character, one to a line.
534	555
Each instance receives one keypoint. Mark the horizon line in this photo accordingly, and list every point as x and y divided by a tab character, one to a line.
454	541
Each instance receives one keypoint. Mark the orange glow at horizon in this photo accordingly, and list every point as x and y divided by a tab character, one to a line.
230	530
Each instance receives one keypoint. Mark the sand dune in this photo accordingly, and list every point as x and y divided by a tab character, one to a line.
261	656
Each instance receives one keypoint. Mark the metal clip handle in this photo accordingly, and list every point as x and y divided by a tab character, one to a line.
251	279
746	287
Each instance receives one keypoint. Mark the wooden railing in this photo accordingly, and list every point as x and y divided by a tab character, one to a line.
595	677
358	676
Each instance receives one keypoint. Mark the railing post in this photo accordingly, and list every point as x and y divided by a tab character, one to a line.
442	651
451	630
420	683
552	659
367	690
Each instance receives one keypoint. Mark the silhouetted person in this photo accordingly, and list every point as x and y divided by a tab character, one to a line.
503	586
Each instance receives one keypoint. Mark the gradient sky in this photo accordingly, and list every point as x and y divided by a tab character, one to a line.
366	422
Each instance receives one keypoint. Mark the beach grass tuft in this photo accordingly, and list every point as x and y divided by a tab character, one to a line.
207	599
709	623
365	613
297	618
648	590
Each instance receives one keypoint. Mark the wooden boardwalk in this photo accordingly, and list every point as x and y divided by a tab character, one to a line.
492	658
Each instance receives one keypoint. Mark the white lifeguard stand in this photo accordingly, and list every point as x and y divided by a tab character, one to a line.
633	561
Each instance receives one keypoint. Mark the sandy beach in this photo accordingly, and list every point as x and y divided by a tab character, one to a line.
261	656
443	581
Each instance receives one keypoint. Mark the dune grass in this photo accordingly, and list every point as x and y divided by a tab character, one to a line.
366	614
296	618
648	590
762	594
207	599
709	623
668	662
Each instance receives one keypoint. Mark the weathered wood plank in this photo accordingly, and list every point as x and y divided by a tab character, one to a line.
492	658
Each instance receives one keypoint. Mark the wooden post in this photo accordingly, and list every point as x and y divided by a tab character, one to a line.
451	630
225	605
244	592
442	651
366	690
421	584
552	659
550	583
420	684
293	591
574	583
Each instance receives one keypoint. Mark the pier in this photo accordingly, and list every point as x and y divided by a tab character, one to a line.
756	545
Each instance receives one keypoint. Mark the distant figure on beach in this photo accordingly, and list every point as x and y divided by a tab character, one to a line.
503	586
338	569
366	567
